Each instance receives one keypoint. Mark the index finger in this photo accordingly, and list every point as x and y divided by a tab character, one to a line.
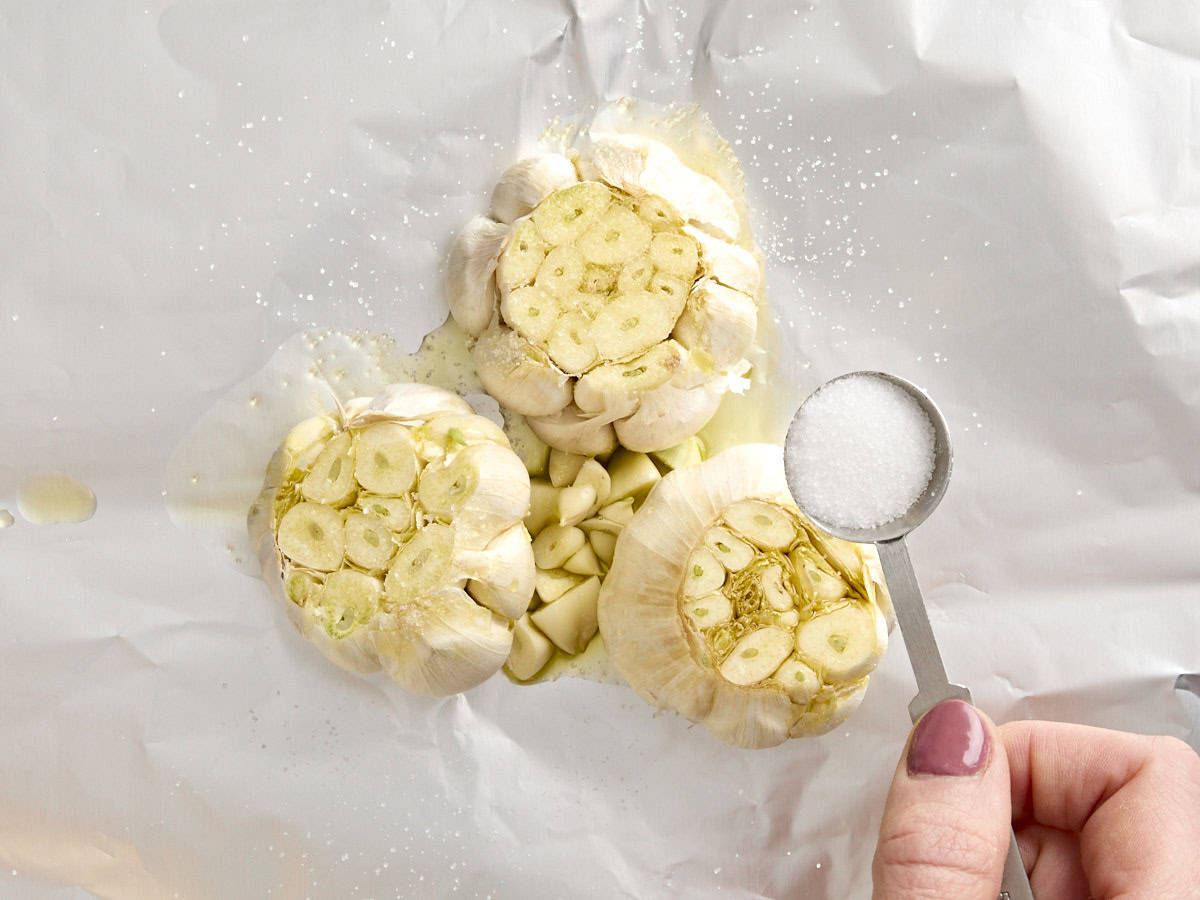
1133	799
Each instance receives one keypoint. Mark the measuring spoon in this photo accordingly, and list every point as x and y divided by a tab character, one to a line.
932	684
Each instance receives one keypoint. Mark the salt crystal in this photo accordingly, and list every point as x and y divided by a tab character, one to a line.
860	452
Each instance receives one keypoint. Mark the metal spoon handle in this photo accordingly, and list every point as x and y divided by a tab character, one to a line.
932	684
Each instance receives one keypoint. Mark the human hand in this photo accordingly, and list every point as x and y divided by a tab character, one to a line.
1097	813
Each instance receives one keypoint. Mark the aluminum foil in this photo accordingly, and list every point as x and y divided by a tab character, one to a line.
997	201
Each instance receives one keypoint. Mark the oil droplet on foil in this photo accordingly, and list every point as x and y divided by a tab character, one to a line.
55	498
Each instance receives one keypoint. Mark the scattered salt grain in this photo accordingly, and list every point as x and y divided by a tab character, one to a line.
860	452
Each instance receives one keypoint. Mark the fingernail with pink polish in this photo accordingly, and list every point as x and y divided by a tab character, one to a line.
949	740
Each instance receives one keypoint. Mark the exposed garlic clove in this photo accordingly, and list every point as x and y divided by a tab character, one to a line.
631	475
556	544
570	621
470	284
641	166
668	415
719	322
564	466
593	474
543	505
570	430
527	182
483	490
731	265
531	650
553	583
520	375
575	503
502	576
441	643
843	644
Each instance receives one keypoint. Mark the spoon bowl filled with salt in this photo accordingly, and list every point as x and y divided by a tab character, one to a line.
867	459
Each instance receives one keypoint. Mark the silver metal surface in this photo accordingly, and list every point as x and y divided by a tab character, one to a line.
932	684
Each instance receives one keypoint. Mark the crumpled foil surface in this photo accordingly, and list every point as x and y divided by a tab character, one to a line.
995	200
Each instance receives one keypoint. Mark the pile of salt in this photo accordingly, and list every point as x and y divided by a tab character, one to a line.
860	452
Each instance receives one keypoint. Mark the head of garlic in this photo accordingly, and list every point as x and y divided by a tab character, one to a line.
725	605
613	291
394	534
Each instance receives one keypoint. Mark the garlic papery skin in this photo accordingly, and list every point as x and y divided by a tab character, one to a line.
393	533
736	644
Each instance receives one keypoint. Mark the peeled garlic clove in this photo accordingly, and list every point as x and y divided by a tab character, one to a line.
604	545
684	454
575	503
502	575
527	182
531	650
441	643
731	265
583	562
556	544
630	475
570	430
718	321
564	466
553	583
592	474
533	451
620	512
743	653
543	505
520	375
570	621
470	286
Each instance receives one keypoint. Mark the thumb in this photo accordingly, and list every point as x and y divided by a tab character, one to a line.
946	826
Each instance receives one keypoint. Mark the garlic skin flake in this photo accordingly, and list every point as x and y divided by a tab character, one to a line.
758	649
615	289
393	533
